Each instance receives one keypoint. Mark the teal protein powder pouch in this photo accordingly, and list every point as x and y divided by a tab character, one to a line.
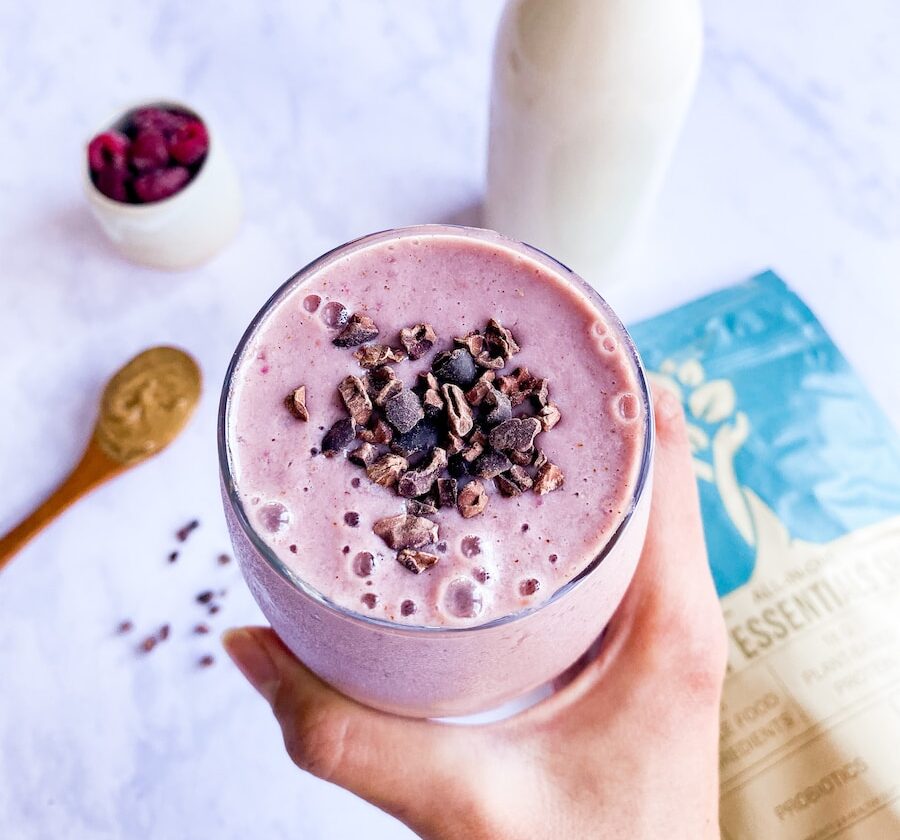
799	477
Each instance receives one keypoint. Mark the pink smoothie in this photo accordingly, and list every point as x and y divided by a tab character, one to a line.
316	514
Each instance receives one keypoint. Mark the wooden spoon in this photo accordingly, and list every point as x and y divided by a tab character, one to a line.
143	408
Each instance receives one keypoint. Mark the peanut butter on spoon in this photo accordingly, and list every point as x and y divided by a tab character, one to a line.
144	407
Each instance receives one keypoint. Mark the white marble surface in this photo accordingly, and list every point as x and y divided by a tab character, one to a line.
343	117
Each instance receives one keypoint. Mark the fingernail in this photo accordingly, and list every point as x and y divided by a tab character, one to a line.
253	660
668	406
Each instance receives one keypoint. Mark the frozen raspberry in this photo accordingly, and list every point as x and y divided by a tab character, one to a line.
148	151
160	184
190	143
157	119
108	150
113	183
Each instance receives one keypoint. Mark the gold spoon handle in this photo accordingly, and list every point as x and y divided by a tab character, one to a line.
93	469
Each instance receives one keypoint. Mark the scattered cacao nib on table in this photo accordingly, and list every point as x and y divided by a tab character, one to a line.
186	530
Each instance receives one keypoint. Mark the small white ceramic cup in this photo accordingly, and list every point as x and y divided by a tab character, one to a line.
183	230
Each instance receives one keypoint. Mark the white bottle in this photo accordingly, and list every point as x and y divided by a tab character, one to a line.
587	102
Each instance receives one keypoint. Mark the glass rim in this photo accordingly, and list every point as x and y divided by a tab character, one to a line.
570	278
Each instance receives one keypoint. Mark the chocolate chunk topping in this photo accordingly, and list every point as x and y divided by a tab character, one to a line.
418	340
339	436
363	455
491	464
499	405
403	410
419	507
515	433
459	415
447	491
387	470
539	458
456	367
296	403
419	439
353	393
375	355
406	531
549	478
513	483
479	390
416	561
549	416
359	329
472	499
376	432
418	482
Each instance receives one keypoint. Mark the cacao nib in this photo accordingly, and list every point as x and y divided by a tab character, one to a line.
406	531
420	507
549	478
499	405
296	403
420	438
517	386
515	433
418	482
377	431
416	561
456	367
479	390
359	329
491	464
356	400
387	470
447	491
540	393
418	340
549	416
339	437
500	340
403	410
432	404
457	466
363	455
376	355
472	499
514	482
459	414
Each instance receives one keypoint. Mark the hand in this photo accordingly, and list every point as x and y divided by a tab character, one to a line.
628	748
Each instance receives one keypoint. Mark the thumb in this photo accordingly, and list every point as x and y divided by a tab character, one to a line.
388	760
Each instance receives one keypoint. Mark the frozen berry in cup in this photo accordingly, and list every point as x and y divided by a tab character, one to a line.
161	185
150	154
